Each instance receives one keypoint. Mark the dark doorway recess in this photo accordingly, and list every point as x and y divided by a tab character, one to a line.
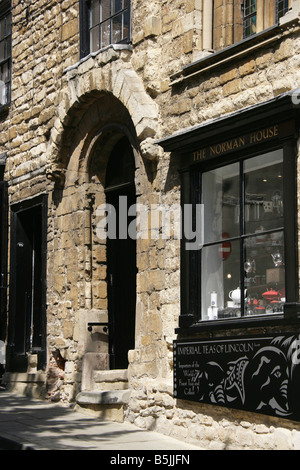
121	255
3	263
27	312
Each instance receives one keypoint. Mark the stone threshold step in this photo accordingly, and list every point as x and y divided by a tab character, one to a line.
103	397
114	375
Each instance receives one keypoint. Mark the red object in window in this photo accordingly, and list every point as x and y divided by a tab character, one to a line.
225	248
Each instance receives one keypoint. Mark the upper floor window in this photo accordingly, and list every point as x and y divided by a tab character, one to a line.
282	8
5	53
249	17
268	15
104	22
244	18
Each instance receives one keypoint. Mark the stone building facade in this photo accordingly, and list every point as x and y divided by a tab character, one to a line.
113	108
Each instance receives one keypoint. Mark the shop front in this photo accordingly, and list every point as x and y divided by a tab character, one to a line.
238	335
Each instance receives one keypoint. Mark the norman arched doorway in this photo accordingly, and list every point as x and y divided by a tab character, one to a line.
121	254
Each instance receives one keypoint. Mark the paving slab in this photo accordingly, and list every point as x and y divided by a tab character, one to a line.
27	424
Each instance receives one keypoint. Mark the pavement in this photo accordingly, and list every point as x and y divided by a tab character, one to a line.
27	424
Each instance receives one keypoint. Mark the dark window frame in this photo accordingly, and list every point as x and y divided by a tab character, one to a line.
191	265
282	7
195	258
84	14
5	62
249	14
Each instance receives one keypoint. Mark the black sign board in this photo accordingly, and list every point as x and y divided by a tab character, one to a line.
259	374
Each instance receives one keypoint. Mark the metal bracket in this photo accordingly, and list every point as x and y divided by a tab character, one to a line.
104	324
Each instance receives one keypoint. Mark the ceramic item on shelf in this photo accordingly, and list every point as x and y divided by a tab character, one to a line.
271	295
235	295
213	299
277	259
260	309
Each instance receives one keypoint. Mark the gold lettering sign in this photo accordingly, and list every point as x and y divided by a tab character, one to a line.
255	137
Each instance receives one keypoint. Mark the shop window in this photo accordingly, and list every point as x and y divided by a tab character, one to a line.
5	53
104	22
243	257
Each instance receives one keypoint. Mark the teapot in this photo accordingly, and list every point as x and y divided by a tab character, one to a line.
271	294
235	295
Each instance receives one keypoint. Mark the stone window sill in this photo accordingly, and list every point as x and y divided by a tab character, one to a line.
238	324
105	55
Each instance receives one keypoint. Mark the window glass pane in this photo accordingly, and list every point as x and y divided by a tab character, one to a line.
220	196
8	25
5	48
5	53
126	20
113	25
105	9
3	93
95	39
263	192
95	13
5	26
264	273
220	281
2	28
282	8
250	7
250	26
117	6
5	75
2	50
105	34
117	29
8	46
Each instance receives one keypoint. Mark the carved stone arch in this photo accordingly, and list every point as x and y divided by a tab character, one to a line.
101	146
98	122
86	90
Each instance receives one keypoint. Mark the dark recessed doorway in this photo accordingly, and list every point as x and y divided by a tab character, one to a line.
121	255
27	313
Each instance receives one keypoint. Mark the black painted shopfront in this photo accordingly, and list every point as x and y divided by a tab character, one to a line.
242	170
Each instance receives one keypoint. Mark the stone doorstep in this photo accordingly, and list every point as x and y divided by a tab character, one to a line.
114	375
105	404
97	386
116	379
104	397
